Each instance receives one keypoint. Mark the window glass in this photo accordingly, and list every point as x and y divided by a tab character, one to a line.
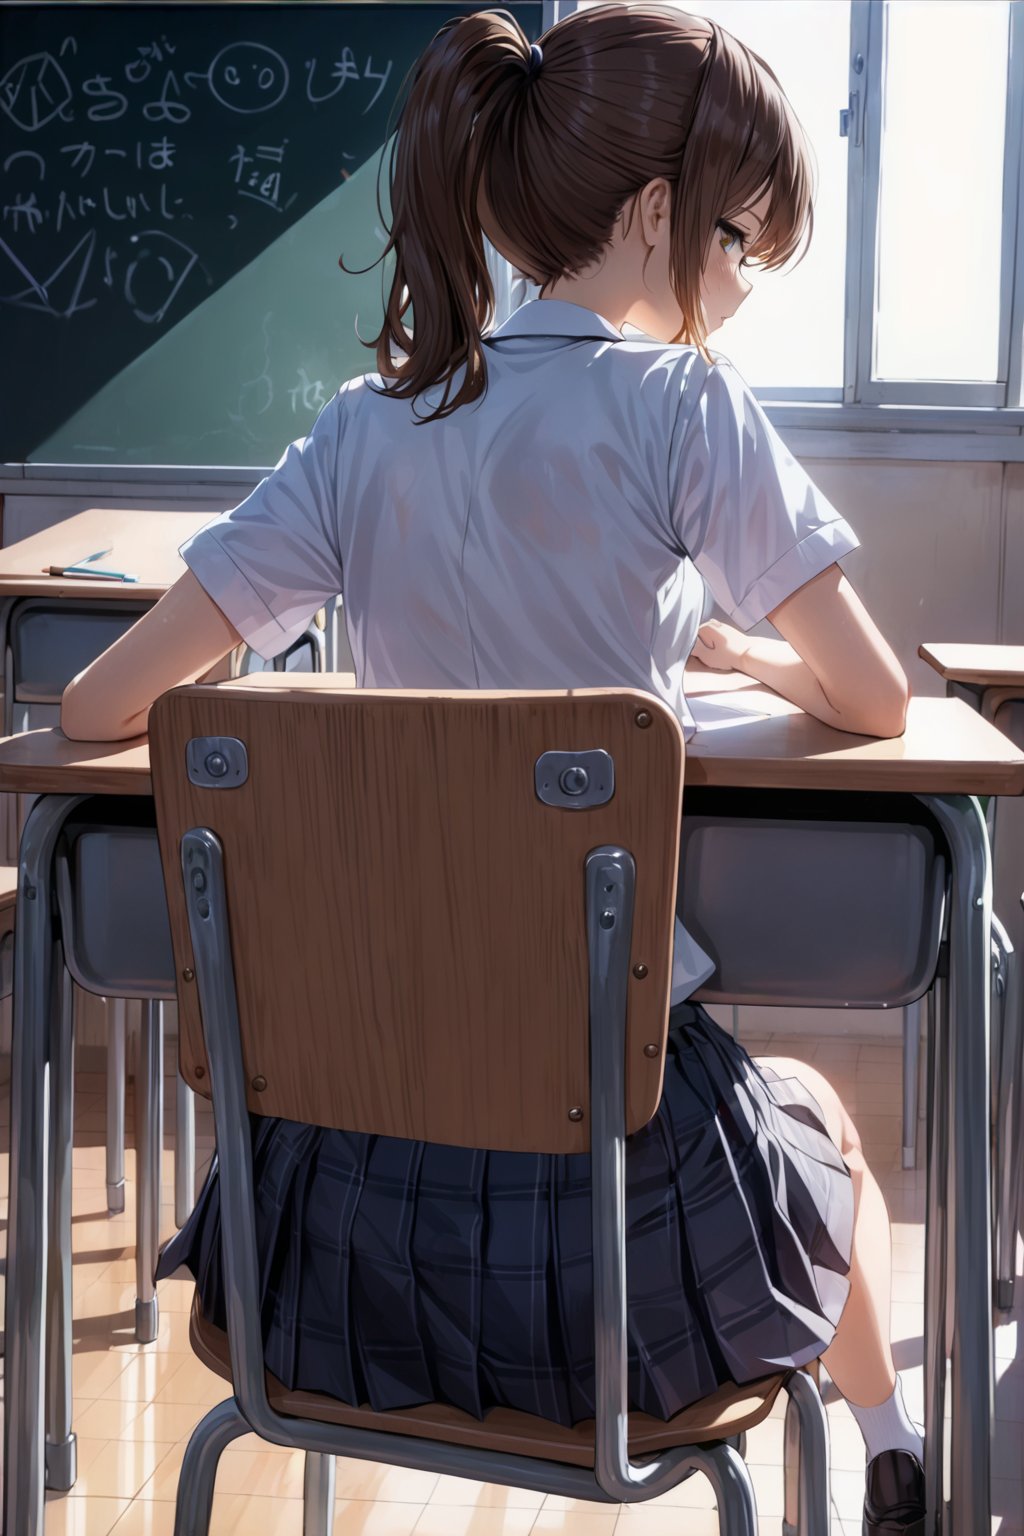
940	208
789	331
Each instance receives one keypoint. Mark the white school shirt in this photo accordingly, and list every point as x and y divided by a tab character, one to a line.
552	534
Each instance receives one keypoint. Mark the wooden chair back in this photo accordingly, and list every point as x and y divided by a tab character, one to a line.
407	915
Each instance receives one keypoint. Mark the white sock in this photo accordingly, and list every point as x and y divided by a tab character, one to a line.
889	1427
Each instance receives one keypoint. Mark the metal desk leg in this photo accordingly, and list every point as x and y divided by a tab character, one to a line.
936	1238
60	1452
149	1129
911	1068
973	1383
27	1233
184	1151
1008	1128
115	1010
331	636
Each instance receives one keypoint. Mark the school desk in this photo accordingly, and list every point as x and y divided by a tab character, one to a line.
947	755
991	679
50	628
53	626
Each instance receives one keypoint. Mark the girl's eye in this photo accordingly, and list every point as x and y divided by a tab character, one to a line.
731	239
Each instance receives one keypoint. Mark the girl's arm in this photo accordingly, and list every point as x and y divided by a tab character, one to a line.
832	661
179	639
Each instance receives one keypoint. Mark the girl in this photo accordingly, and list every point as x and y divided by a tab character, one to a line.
530	508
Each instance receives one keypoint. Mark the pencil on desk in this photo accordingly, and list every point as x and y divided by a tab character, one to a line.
90	571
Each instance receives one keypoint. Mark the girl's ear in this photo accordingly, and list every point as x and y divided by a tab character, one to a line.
654	205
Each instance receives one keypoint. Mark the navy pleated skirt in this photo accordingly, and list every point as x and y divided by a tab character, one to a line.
400	1272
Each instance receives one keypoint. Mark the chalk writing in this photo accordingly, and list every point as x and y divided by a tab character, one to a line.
309	393
138	69
253	180
107	180
156	274
71	206
344	69
248	77
27	154
255	395
59	293
24	212
110	105
34	91
169	106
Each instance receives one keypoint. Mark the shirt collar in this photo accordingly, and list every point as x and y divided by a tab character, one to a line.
556	317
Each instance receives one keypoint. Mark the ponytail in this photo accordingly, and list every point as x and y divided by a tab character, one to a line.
462	88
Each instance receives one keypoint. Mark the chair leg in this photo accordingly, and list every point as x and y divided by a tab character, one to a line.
318	1495
61	1458
149	1120
199	1469
115	1103
911	1069
727	1473
184	1151
807	1492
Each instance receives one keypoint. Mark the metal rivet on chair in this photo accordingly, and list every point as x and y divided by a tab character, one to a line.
652	1049
574	780
259	1082
216	765
576	1113
640	971
643	718
188	974
607	919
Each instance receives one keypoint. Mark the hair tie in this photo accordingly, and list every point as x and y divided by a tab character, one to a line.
536	60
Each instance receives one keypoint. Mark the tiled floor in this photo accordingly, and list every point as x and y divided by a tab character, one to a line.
135	1406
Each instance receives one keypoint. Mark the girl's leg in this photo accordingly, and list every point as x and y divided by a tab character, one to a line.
859	1359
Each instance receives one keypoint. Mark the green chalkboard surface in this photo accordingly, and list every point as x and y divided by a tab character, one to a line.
177	183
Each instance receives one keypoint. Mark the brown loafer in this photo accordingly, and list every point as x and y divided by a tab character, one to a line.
894	1502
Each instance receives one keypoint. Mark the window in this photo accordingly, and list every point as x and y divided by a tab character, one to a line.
940	204
940	164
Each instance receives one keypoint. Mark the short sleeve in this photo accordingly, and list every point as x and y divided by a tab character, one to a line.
274	560
743	509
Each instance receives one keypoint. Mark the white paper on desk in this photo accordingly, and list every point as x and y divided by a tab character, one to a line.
714	714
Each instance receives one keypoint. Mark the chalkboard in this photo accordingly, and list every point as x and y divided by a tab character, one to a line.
177	183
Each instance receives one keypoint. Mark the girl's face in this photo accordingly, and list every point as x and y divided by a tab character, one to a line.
724	283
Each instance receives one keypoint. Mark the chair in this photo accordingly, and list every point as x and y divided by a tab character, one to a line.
429	861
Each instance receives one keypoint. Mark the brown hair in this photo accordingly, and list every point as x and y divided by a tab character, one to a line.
626	93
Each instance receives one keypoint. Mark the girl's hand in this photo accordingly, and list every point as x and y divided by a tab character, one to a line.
720	647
